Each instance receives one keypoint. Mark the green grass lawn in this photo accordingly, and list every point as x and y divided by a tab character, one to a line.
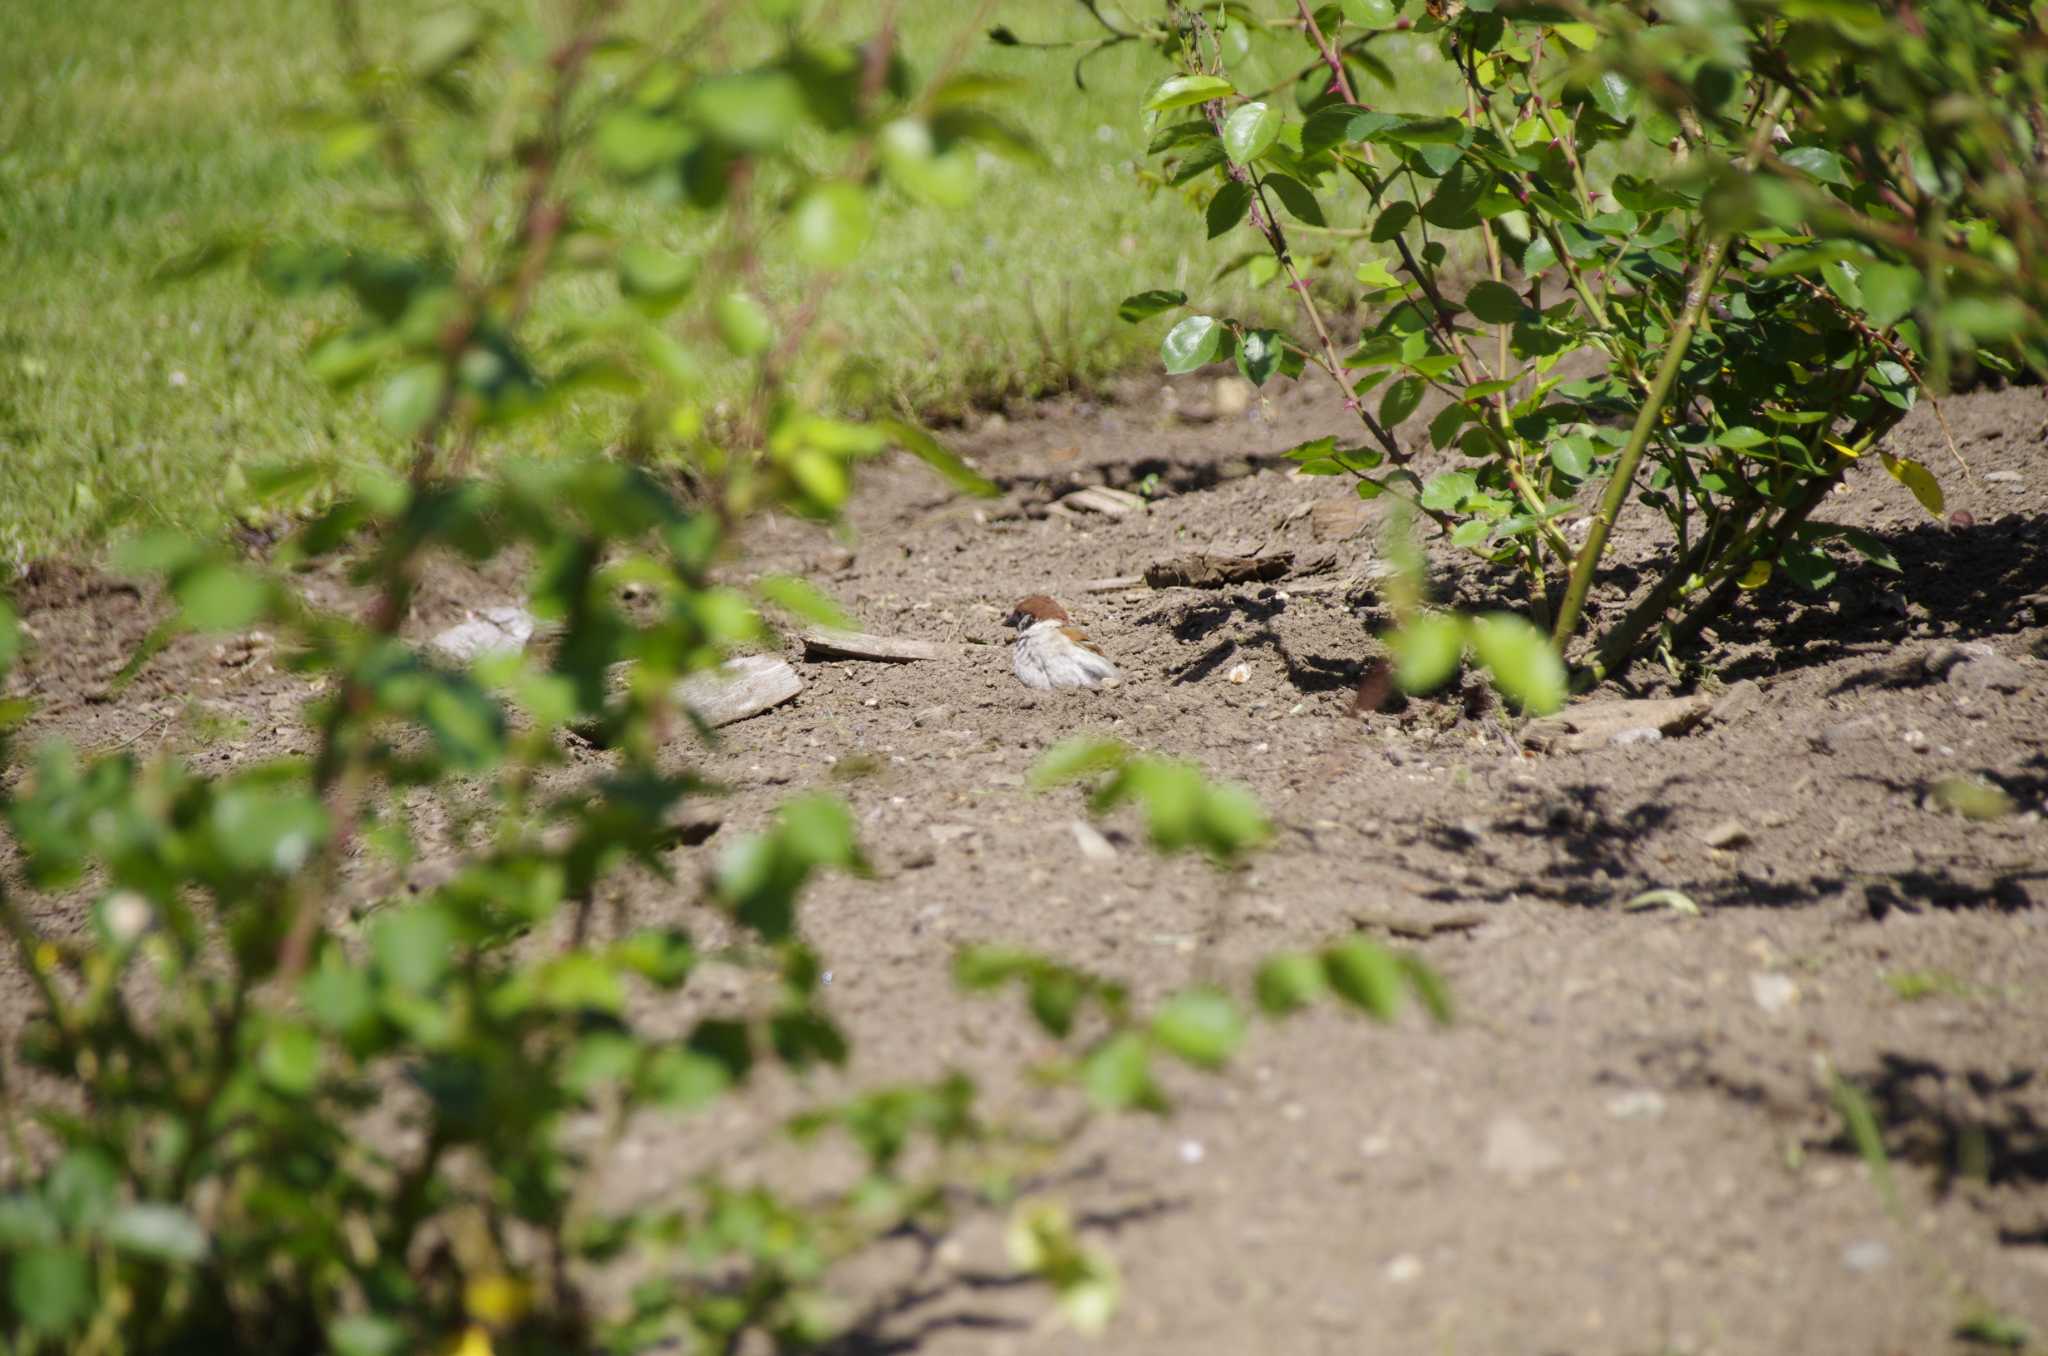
129	131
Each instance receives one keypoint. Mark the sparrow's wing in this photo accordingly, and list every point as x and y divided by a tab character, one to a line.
1080	638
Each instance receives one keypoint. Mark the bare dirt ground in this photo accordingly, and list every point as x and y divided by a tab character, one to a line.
1625	1144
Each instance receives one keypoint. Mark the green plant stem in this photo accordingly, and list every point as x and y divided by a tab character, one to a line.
1623	476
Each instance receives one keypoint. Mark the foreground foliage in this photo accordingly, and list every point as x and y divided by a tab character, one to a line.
258	1108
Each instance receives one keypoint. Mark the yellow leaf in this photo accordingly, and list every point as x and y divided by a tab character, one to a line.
1581	36
497	1300
1918	479
1757	575
46	956
1845	450
473	1342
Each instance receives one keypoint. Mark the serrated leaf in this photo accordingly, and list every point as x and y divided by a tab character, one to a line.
1573	456
1400	401
1392	221
1615	95
1296	197
1495	303
1446	492
1249	131
1258	355
1818	161
1227	208
1144	305
1918	479
1183	90
1194	342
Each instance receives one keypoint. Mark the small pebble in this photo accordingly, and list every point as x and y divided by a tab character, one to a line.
1643	1104
1729	833
1773	993
1241	674
1868	1255
1404	1269
1192	1152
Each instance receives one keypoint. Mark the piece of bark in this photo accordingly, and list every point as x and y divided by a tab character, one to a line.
1101	499
1594	725
739	688
488	631
1113	583
1201	570
1338	519
825	642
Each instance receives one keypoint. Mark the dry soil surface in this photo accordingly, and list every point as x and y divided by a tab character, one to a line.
1625	1144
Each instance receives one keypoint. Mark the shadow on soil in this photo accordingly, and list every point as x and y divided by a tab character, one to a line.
1963	582
1967	1125
1604	847
899	1324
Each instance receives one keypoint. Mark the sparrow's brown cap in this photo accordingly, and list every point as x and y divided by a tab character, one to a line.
1038	607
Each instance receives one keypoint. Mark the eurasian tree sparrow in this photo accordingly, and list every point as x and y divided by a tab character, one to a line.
1052	652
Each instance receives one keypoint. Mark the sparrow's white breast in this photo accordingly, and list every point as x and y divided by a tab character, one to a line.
1045	658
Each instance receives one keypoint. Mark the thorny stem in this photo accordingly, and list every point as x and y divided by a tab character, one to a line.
1268	226
1620	480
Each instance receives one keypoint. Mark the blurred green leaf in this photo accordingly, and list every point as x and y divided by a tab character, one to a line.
755	111
1118	1074
1372	13
161	1233
51	1288
832	224
1288	981
1202	1026
221	597
934	454
802	599
655	276
440	40
411	397
1365	975
1426	651
1522	661
289	1059
744	325
81	1188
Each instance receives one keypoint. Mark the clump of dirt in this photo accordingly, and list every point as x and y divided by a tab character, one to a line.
1626	1144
